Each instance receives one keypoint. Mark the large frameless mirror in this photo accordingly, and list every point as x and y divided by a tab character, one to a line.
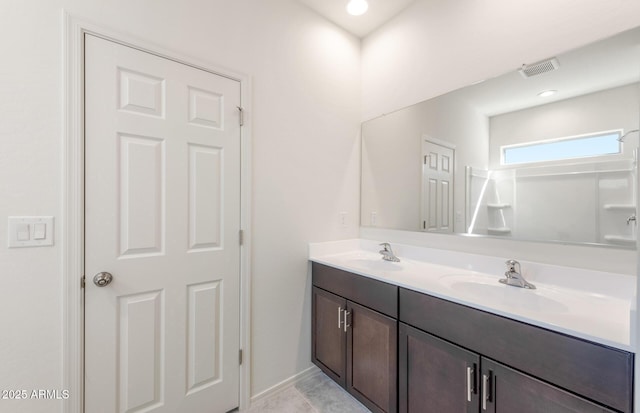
547	153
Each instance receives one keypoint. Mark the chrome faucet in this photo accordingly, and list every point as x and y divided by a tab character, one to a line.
631	218
387	253
515	277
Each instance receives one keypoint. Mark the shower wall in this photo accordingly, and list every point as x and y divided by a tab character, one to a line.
586	200
578	203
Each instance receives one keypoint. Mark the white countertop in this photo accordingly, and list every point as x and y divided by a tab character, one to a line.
592	305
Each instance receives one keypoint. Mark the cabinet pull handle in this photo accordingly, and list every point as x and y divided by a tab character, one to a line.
346	324
486	394
469	382
339	318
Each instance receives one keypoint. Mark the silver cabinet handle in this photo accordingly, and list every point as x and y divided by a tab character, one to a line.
339	318
469	383
486	380
102	279
346	325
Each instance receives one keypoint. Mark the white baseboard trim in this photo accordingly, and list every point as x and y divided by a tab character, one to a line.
285	384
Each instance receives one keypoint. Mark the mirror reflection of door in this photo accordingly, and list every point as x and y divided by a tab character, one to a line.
438	165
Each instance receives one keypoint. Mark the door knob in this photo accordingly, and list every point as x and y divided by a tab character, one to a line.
102	279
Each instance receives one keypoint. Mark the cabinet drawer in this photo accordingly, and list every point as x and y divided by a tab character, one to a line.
371	293
600	373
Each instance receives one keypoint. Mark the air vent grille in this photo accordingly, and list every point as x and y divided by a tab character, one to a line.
539	68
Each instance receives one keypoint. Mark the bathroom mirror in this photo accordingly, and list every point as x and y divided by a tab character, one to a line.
545	153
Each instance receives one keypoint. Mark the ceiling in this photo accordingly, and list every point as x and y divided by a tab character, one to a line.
380	12
602	65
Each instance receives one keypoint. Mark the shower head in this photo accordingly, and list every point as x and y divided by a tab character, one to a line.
621	139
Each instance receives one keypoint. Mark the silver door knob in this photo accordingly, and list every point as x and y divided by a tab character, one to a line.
102	279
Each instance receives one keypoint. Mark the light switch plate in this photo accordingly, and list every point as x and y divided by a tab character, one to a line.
30	231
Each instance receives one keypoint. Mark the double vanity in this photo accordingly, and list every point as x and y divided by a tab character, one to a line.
444	331
438	331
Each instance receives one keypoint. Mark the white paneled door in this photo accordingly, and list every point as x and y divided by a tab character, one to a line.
162	209
438	165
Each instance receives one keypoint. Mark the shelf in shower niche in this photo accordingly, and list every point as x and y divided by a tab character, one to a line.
499	206
624	207
618	239
499	231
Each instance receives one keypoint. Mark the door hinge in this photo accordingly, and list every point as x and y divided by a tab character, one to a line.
241	118
241	237
240	356
82	281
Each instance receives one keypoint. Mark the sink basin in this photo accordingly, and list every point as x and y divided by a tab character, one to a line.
374	263
490	290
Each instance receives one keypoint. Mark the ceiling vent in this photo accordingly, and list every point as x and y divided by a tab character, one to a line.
539	68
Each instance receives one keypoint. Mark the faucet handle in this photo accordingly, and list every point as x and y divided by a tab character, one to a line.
511	266
387	253
514	276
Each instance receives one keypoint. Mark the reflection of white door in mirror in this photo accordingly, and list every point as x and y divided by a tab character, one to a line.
438	165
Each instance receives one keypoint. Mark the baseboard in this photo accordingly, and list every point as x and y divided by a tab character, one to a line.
285	384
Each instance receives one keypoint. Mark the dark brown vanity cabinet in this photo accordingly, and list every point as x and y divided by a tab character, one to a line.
354	335
436	376
396	349
467	360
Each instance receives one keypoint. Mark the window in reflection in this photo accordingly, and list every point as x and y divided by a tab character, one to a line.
599	144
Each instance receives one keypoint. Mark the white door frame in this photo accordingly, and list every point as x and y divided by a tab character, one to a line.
73	202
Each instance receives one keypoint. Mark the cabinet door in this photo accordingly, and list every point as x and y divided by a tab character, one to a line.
372	358
436	376
328	334
508	391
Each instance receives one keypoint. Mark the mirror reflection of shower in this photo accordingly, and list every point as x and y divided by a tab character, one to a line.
621	138
470	193
579	202
632	220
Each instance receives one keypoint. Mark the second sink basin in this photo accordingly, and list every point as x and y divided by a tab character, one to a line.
490	290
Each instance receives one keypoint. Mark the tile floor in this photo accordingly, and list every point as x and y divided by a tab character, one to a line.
315	394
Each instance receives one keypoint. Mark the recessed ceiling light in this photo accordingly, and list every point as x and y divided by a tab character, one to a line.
357	7
546	93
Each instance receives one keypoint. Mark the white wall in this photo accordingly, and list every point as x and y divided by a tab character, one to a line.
435	46
305	119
